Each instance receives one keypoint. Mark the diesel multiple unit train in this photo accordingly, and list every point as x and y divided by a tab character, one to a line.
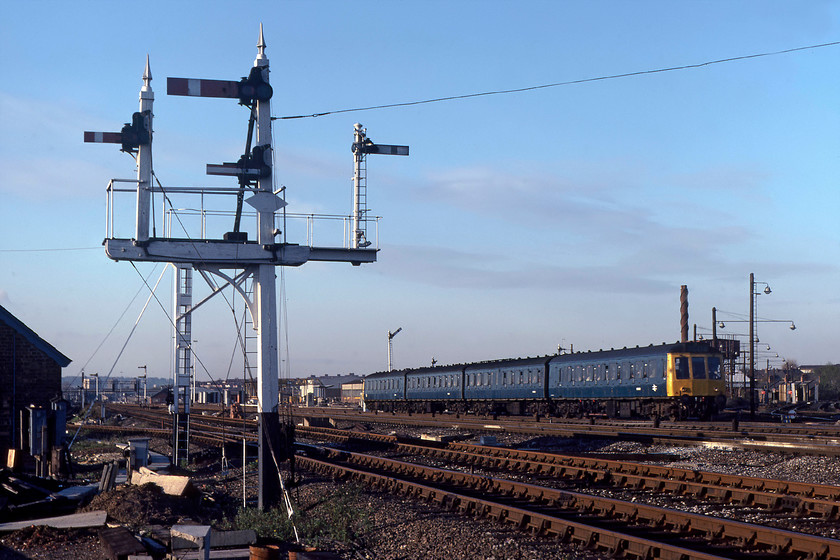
678	380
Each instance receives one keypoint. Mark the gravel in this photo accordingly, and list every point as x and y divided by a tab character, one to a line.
394	528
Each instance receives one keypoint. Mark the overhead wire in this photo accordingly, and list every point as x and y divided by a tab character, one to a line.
93	354
559	84
50	250
172	322
125	344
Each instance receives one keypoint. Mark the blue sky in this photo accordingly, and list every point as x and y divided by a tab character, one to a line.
568	215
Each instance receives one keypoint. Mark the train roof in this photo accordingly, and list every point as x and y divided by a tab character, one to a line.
540	360
613	353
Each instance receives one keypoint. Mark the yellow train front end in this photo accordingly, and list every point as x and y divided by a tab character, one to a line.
695	383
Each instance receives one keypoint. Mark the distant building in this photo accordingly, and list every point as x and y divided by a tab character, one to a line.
351	393
161	397
207	396
30	374
324	389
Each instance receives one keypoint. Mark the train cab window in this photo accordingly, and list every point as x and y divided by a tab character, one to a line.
714	367
698	367
644	370
681	368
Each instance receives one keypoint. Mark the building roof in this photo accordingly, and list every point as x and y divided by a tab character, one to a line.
333	380
32	337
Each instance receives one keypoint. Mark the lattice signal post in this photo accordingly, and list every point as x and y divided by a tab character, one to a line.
256	260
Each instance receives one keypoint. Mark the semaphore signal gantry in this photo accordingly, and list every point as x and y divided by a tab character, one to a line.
212	256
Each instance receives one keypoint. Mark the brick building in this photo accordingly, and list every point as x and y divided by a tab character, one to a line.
30	374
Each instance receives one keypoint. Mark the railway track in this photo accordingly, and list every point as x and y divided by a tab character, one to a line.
613	526
778	495
818	440
798	498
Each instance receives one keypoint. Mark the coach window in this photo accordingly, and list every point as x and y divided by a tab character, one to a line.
618	372
698	367
681	367
714	367
644	370
632	370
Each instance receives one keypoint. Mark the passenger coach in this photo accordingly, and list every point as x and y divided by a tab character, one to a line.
677	380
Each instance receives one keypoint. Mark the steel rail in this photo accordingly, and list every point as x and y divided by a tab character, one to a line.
822	499
815	499
785	496
716	530
612	542
757	439
740	482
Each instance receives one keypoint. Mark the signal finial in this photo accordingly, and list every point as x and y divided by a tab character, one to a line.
147	76
261	45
